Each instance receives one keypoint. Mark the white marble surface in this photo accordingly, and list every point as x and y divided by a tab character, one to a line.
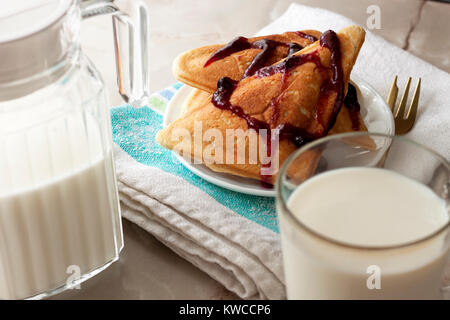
147	269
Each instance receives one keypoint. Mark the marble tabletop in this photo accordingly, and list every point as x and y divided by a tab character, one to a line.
146	268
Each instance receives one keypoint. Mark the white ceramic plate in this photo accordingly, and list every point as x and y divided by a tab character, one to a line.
375	112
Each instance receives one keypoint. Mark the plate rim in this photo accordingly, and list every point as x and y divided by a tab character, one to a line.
186	89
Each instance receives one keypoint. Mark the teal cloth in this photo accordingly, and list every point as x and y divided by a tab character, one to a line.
134	130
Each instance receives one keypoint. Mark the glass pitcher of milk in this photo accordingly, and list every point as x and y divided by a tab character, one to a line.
356	227
59	211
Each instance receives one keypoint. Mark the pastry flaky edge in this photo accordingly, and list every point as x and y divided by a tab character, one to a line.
188	67
254	95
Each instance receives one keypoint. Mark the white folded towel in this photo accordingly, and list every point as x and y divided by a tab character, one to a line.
241	254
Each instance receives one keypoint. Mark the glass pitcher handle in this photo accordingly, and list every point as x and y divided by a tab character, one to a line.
134	84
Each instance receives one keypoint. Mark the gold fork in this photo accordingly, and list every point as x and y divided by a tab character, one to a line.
404	123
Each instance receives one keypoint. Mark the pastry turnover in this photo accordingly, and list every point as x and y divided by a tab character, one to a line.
189	67
300	96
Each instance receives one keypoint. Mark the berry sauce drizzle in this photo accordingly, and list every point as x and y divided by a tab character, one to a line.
221	99
290	63
298	136
329	40
267	47
306	36
236	45
352	104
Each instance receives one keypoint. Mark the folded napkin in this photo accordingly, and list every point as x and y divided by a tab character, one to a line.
234	237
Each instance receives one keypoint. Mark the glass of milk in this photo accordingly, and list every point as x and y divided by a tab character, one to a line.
59	210
359	223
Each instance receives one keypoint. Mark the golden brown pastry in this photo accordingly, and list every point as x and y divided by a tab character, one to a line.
300	96
197	98
192	67
189	67
344	122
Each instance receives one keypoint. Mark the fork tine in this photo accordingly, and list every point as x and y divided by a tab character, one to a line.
411	116
401	108
393	92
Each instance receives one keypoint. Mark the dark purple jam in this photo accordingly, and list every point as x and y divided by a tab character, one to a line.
330	40
236	45
352	105
221	100
293	48
267	47
306	36
226	86
288	64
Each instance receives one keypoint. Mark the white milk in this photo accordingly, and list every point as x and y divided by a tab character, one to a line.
58	210
364	207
